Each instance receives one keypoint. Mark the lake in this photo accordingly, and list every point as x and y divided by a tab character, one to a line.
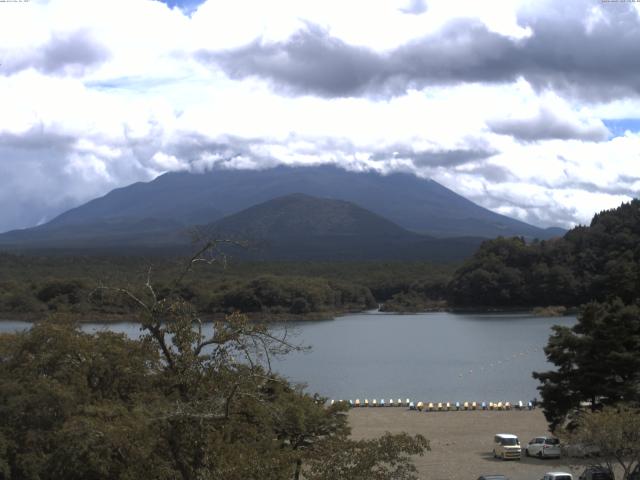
429	356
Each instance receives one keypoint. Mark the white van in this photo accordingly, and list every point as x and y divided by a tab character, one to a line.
557	476
506	446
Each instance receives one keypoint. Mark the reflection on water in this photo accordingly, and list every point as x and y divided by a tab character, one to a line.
430	356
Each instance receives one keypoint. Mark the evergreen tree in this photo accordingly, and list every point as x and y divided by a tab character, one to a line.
597	360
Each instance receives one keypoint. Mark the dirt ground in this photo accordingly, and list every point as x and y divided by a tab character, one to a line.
461	442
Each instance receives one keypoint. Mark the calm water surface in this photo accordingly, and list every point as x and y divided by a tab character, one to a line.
429	356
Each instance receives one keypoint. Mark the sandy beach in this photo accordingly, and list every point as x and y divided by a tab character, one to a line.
461	442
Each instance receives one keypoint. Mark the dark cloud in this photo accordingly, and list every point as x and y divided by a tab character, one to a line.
596	62
546	126
435	158
618	188
310	62
32	177
44	172
68	54
313	62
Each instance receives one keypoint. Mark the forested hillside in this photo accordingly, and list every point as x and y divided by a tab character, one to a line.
589	263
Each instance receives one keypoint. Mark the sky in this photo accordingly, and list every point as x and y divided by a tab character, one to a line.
530	108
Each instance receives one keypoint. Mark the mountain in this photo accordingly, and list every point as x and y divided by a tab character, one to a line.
416	204
302	227
352	215
300	215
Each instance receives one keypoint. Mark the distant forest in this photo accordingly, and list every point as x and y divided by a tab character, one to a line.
593	262
32	286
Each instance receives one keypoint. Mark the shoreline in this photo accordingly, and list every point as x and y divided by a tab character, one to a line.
32	317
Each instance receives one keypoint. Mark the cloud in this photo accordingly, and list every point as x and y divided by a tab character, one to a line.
415	7
567	50
63	54
503	105
547	125
314	62
436	158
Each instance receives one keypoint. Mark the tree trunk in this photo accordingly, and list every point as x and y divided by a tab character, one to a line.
296	474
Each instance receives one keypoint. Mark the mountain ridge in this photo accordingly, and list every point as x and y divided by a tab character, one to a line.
354	213
417	204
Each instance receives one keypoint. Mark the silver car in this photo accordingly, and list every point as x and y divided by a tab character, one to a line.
543	447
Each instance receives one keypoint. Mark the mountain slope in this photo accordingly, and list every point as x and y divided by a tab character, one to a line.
300	215
301	227
416	204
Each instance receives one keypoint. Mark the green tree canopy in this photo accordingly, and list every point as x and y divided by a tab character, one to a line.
598	262
597	360
176	403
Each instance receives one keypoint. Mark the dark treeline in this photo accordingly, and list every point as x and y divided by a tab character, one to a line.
31	286
597	262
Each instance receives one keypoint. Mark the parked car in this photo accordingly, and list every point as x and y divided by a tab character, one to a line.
506	446
596	472
543	447
492	477
557	476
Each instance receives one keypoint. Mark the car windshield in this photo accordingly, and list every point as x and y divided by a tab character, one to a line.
509	441
553	441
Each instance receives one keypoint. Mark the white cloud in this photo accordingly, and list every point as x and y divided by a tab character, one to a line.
137	103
